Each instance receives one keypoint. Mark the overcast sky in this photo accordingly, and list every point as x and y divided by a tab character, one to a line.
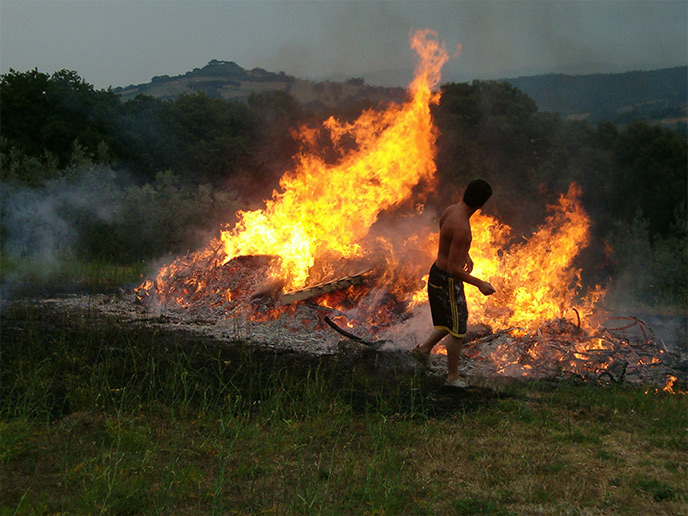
121	42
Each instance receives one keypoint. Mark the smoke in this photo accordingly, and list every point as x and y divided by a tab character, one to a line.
41	225
499	39
349	38
649	273
411	332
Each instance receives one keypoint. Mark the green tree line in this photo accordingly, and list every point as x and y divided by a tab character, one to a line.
202	140
633	180
175	168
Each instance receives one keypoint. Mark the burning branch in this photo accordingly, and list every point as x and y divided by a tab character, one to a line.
324	288
348	335
559	347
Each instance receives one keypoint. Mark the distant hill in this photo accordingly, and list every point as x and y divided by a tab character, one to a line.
228	80
659	96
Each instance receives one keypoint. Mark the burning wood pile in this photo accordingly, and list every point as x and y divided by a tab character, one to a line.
323	255
560	348
622	349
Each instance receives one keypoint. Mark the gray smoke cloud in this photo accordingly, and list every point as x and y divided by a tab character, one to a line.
41	224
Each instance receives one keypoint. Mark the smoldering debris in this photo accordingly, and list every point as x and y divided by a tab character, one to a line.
557	349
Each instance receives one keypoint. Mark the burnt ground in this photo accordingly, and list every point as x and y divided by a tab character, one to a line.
368	377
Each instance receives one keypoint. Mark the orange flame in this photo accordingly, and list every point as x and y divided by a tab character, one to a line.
535	280
325	210
669	386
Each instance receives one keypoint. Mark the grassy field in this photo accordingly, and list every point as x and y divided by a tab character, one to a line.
98	417
33	276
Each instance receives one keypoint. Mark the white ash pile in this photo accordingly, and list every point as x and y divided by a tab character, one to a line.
237	302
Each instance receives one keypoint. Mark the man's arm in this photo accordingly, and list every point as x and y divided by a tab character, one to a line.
460	264
468	267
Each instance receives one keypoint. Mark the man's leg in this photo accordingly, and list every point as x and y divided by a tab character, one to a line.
433	339
454	346
422	352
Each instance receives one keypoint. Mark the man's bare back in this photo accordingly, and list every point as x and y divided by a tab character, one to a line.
455	243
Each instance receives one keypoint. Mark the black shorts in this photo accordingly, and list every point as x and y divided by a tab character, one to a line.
447	302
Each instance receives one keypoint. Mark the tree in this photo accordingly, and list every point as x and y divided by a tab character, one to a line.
42	113
653	178
24	110
204	139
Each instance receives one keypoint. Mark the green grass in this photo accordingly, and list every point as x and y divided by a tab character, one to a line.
97	417
68	273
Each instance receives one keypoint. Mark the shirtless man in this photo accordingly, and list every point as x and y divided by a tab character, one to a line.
450	271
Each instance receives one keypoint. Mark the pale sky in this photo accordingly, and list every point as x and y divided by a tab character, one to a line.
121	42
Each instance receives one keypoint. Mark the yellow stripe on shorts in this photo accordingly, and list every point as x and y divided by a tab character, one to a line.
454	309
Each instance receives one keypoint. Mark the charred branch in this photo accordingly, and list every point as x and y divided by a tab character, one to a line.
323	288
578	321
634	321
347	334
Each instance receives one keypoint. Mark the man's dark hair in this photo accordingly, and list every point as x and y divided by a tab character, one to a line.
477	193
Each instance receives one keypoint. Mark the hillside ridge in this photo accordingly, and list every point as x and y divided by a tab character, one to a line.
228	80
658	96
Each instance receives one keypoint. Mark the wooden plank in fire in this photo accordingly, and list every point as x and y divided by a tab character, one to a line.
324	288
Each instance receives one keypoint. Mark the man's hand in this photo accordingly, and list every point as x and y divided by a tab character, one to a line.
468	266
486	289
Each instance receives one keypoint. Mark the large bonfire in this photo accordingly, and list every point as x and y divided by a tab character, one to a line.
325	223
